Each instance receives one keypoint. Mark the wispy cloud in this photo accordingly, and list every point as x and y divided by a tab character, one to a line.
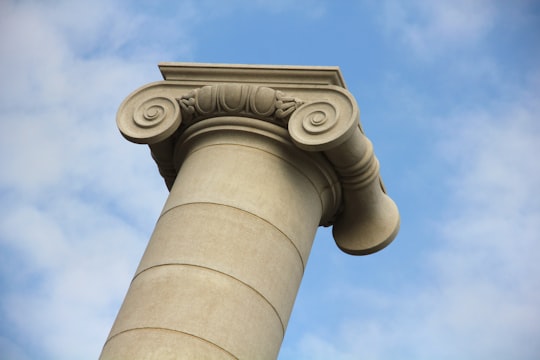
432	28
484	279
71	228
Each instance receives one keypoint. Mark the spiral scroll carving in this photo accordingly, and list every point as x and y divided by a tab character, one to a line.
319	125
240	100
153	112
319	117
152	120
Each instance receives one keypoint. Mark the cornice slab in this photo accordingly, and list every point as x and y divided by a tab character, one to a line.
259	74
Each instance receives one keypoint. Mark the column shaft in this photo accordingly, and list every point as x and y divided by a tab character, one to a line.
220	274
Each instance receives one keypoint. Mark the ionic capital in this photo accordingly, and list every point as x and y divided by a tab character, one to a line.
312	103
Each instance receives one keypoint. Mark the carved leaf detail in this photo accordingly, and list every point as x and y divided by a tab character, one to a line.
237	99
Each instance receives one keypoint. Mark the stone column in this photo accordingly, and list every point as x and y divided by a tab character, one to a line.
256	158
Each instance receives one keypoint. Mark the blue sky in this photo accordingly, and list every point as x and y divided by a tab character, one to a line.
448	92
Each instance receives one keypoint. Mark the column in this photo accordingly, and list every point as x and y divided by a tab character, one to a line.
255	158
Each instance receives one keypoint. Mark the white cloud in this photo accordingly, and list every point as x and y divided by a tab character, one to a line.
72	228
429	28
78	261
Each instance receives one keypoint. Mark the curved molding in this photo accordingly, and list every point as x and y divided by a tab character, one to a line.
369	220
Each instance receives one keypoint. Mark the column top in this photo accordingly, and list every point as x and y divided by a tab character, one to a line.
259	74
310	102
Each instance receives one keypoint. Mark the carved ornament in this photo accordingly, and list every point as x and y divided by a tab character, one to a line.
259	102
154	114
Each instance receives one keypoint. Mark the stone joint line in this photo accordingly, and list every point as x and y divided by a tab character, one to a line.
244	211
222	273
276	156
171	330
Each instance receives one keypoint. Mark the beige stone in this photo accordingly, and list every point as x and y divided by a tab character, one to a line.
256	158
